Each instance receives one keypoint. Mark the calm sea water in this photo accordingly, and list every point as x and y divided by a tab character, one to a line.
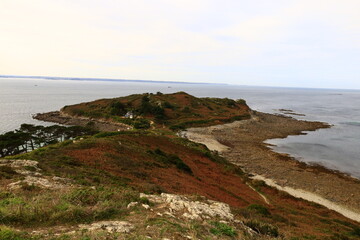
337	148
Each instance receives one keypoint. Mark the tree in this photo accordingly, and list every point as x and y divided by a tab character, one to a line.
117	108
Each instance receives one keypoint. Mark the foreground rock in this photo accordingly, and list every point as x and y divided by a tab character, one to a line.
109	226
31	175
194	210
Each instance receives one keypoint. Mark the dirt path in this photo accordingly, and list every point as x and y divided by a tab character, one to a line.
243	144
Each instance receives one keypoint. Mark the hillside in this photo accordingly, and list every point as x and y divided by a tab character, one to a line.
137	179
100	178
175	111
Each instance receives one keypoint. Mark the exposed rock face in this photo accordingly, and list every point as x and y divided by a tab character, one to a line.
53	183
194	210
109	226
19	163
33	177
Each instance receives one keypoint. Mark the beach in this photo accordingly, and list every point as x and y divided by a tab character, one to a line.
242	143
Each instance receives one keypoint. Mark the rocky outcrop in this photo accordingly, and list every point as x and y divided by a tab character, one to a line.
194	210
32	176
109	226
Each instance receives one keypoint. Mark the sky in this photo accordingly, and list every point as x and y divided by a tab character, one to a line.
289	43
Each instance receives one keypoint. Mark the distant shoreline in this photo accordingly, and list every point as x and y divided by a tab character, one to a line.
105	80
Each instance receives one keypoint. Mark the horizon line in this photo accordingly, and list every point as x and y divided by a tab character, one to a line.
163	82
104	79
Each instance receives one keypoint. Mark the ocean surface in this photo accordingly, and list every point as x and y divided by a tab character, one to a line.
336	148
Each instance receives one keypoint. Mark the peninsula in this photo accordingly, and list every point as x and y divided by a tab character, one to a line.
173	166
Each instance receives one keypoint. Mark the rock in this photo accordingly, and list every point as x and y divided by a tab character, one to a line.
169	214
194	210
60	179
132	204
109	226
19	163
27	173
145	206
22	167
37	182
33	177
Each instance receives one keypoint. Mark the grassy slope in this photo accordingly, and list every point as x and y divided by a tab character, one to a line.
121	164
128	162
178	110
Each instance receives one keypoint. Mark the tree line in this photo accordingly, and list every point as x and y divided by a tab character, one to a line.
30	137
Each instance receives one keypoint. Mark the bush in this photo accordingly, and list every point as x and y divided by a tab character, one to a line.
141	123
168	105
262	228
107	134
172	159
260	209
117	108
222	229
241	101
179	164
355	231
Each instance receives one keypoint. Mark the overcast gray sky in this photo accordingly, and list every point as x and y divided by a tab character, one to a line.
298	43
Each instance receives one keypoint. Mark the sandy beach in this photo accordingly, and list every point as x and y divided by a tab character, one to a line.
242	143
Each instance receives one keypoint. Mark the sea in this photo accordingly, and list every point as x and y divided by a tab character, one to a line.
337	148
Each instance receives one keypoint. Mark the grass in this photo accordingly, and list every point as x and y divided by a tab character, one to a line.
145	150
259	209
262	228
76	205
166	225
7	172
7	233
220	228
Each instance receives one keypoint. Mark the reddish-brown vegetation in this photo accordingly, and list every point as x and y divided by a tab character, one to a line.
134	162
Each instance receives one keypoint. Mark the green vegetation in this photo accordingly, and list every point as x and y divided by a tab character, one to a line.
33	208
7	172
7	233
106	171
171	159
262	228
30	137
176	111
117	108
141	123
260	209
222	229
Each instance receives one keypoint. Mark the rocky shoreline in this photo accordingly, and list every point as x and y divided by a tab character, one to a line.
242	143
